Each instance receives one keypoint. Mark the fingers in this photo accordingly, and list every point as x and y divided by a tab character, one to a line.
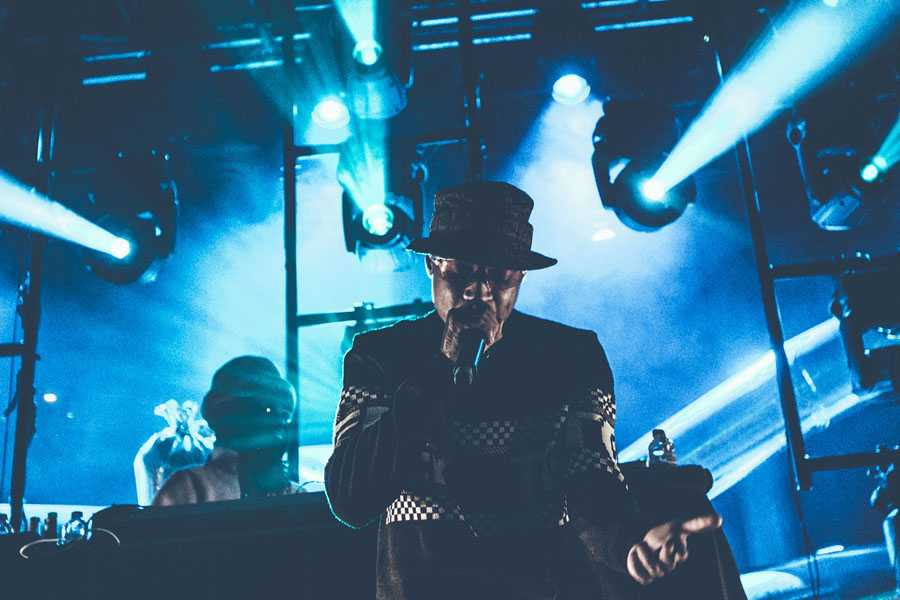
636	568
702	523
644	564
673	552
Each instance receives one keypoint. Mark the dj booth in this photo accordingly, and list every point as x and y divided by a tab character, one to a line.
289	547
293	547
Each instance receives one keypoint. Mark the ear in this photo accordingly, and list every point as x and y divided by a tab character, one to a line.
429	266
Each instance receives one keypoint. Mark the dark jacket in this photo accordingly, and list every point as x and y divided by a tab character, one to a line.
508	489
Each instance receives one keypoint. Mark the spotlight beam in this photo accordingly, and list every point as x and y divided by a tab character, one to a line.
22	208
889	152
359	15
809	43
721	396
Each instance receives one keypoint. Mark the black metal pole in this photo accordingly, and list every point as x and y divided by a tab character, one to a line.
30	311
793	430
472	82
292	301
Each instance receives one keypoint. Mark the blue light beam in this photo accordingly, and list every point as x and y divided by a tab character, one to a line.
359	15
809	43
889	153
750	378
362	169
23	208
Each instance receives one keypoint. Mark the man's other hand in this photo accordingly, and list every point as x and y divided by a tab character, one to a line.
665	547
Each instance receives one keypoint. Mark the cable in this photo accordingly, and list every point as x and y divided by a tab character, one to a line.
107	531
24	548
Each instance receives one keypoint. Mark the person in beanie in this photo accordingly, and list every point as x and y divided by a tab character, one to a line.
481	439
250	408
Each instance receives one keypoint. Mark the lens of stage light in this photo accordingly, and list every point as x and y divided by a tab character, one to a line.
653	190
869	173
50	398
378	220
331	113
571	89
120	248
880	162
367	52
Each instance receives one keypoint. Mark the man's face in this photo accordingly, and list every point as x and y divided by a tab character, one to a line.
456	282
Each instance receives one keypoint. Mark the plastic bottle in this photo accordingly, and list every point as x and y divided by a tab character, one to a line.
75	529
661	450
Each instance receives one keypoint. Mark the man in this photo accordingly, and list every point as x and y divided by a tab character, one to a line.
507	487
249	407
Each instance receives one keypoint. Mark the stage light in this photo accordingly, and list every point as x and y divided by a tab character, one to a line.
831	3
50	398
804	47
869	173
842	147
571	89
367	52
378	235
381	201
653	190
121	248
867	303
331	113
378	219
134	198
377	77
629	143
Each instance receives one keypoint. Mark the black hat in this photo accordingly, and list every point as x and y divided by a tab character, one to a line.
250	380
484	222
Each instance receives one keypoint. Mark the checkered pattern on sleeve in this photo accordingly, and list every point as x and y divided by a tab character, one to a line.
597	405
354	399
596	413
410	507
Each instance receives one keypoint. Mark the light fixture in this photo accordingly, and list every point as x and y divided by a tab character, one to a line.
867	303
367	52
375	92
378	219
629	146
571	89
377	76
845	162
381	204
135	199
331	113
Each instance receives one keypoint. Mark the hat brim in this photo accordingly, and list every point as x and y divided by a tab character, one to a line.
499	257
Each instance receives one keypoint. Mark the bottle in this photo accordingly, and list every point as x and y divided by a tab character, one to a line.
661	450
34	526
51	526
186	441
74	530
5	529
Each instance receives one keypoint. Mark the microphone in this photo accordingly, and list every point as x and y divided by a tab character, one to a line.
471	346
